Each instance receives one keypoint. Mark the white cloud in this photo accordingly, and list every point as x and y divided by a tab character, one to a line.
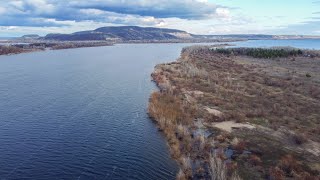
203	1
194	16
41	6
2	10
17	4
30	7
92	11
223	12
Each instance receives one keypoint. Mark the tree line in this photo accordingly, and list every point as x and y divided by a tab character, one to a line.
261	52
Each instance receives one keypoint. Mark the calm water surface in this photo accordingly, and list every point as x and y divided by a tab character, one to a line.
81	113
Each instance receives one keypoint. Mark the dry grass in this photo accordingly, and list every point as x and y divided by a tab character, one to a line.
219	171
5	50
276	174
240	146
181	175
255	160
166	110
289	164
217	168
245	94
274	94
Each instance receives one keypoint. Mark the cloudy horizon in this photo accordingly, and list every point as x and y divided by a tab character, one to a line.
19	17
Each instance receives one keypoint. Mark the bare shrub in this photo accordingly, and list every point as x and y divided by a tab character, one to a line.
237	116
10	50
191	71
217	168
186	166
175	149
165	107
311	53
182	131
202	142
289	164
299	139
240	147
255	160
181	175
235	176
276	173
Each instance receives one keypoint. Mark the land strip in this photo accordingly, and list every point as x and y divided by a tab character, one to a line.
241	112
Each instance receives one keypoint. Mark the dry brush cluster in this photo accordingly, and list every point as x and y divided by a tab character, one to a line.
10	50
249	95
175	115
205	78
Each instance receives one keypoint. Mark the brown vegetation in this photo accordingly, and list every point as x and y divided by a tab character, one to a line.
274	95
22	48
5	50
72	45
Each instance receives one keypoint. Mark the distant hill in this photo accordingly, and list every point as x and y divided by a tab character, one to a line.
30	36
124	33
150	34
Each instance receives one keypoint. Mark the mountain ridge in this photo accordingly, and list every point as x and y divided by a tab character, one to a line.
153	34
124	33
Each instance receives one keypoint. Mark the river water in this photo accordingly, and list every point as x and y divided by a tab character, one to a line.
81	113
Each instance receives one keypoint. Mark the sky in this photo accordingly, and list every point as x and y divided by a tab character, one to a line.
278	17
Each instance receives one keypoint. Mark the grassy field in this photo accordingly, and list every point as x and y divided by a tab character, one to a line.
245	112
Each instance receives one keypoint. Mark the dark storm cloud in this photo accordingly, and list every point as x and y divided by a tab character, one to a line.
184	9
55	12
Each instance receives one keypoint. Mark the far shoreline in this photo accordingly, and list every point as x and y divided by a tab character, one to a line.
24	47
21	47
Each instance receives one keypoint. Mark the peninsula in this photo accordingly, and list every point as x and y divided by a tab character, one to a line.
241	113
